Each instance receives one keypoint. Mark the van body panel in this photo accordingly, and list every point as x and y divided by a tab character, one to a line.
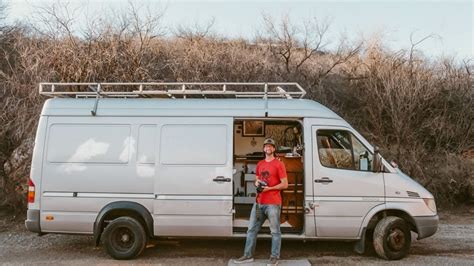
74	222
36	171
193	225
309	222
414	207
110	167
425	220
399	185
369	215
175	158
77	214
193	183
94	204
188	108
32	221
342	204
310	219
90	162
426	225
196	206
300	108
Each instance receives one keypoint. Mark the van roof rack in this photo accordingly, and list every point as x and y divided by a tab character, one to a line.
265	90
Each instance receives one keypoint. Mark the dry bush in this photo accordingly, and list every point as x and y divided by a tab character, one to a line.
419	113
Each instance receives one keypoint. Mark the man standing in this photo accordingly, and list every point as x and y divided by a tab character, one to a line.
271	175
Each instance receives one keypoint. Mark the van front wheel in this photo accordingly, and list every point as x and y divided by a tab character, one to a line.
392	238
124	238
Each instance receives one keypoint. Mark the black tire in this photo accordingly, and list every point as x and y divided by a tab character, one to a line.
124	238
392	238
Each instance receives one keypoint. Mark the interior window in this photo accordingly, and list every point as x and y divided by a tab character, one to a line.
341	149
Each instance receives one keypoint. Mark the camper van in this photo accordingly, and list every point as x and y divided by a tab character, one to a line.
127	162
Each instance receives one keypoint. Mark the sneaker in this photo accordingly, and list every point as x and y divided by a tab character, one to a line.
272	261
243	259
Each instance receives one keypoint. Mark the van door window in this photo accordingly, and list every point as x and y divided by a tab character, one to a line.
341	149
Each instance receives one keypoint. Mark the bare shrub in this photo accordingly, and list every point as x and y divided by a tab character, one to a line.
195	31
420	113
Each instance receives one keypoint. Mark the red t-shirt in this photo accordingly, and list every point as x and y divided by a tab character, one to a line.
270	172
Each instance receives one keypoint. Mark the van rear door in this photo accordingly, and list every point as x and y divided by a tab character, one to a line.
193	185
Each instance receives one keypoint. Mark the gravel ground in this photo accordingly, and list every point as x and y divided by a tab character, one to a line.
452	244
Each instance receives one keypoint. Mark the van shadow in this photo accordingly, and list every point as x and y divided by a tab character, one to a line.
233	248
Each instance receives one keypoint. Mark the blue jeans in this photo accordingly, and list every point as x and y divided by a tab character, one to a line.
272	212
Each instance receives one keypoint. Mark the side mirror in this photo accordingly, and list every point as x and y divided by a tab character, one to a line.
364	161
377	164
394	164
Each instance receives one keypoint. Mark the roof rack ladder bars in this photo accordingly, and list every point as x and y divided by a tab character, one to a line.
94	110
287	95
303	92
224	89
52	89
184	90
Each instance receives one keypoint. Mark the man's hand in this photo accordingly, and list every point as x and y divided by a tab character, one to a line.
281	186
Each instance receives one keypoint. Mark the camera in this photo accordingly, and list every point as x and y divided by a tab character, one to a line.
261	186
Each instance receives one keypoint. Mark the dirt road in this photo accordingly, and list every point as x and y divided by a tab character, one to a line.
452	244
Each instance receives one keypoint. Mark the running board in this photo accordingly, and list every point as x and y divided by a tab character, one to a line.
283	236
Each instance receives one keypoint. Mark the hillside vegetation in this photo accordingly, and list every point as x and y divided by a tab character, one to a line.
418	110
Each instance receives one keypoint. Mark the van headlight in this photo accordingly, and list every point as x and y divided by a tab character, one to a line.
431	204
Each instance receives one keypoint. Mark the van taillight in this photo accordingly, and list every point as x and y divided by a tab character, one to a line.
31	191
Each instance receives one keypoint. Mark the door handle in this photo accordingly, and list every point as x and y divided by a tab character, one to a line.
324	180
221	179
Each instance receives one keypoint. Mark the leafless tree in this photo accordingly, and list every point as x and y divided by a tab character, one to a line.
56	20
418	111
296	44
195	31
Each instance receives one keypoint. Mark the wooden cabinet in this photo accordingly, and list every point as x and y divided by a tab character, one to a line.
292	208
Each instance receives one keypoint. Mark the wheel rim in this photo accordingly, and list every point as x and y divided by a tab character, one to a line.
122	239
396	239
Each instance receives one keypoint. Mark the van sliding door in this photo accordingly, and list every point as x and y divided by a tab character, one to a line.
193	185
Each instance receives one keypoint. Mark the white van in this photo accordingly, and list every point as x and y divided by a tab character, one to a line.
126	162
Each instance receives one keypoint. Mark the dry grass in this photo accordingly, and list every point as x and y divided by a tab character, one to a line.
420	113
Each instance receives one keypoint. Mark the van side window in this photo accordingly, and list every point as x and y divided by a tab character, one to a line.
341	149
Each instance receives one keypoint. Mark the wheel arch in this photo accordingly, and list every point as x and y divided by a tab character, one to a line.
122	208
380	211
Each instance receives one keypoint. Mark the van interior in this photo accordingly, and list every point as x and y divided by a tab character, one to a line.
248	151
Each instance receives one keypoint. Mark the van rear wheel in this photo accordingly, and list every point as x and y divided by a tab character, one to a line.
124	238
392	238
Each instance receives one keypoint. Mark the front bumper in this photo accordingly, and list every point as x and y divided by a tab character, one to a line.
32	222
426	225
